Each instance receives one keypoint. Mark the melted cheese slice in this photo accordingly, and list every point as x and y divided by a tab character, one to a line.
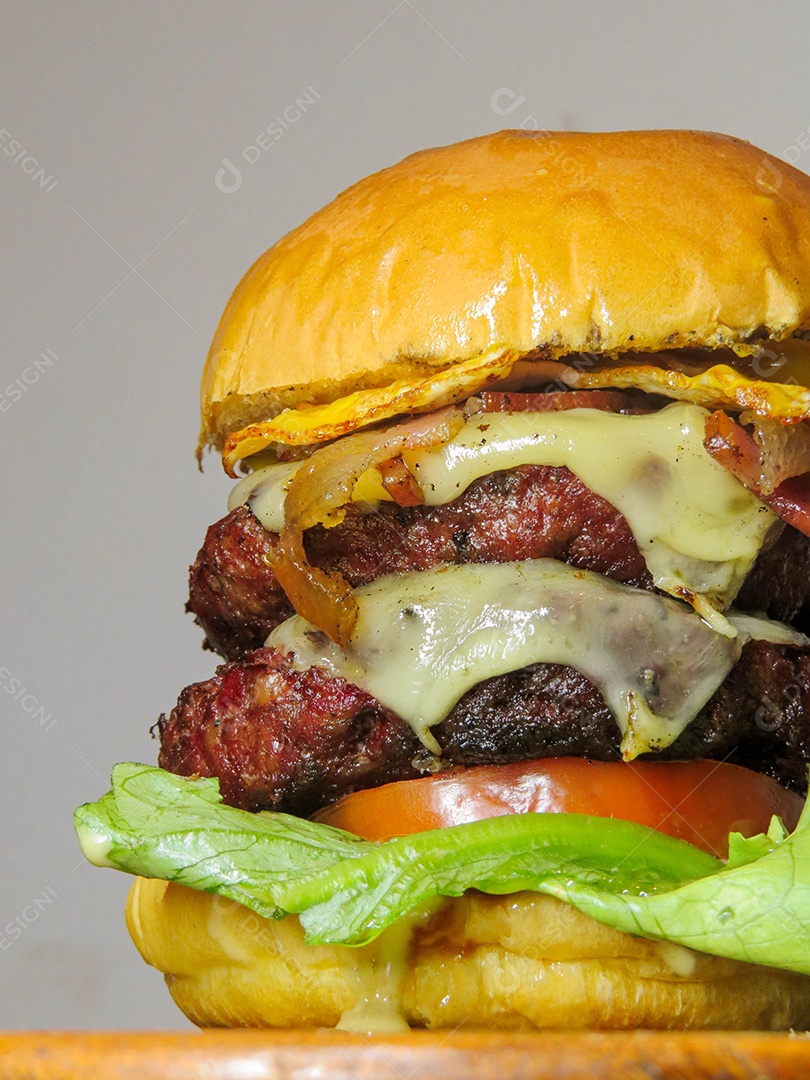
424	638
697	527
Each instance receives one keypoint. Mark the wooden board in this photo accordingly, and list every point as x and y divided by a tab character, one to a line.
255	1055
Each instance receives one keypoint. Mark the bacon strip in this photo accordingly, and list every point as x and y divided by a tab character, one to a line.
400	483
619	401
737	451
791	501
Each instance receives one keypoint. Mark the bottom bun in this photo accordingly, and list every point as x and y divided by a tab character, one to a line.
511	962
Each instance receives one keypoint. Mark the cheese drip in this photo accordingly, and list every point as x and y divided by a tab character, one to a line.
424	638
697	527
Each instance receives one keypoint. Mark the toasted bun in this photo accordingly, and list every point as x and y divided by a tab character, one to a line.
519	962
542	242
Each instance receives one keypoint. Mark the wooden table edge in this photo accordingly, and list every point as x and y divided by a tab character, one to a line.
326	1055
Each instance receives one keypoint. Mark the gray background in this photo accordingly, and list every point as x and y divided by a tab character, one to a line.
118	258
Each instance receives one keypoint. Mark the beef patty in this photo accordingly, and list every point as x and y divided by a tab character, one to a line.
530	512
279	739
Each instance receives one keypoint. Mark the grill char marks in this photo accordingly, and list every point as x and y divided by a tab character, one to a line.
530	512
283	740
233	592
759	717
278	739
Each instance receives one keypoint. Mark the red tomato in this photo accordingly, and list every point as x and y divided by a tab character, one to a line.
697	801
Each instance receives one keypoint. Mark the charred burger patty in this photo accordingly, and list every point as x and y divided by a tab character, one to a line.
278	739
283	740
531	512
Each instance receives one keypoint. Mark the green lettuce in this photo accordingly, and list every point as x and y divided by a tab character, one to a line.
755	907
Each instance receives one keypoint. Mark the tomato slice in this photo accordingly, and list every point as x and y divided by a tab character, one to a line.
697	801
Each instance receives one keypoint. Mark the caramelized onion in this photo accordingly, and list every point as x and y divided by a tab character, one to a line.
318	496
784	450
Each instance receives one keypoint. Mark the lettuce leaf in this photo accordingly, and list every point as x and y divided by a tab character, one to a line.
347	890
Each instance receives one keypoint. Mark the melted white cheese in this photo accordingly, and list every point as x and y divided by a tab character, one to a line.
424	638
377	975
678	958
762	629
95	847
264	492
698	529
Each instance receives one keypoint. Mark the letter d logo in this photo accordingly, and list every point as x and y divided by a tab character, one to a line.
504	101
228	179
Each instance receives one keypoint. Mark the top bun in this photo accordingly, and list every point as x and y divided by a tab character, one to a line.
541	242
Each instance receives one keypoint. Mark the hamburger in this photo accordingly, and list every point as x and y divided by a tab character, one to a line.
512	729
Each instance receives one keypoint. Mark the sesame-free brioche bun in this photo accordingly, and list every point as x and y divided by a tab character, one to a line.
544	243
512	962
